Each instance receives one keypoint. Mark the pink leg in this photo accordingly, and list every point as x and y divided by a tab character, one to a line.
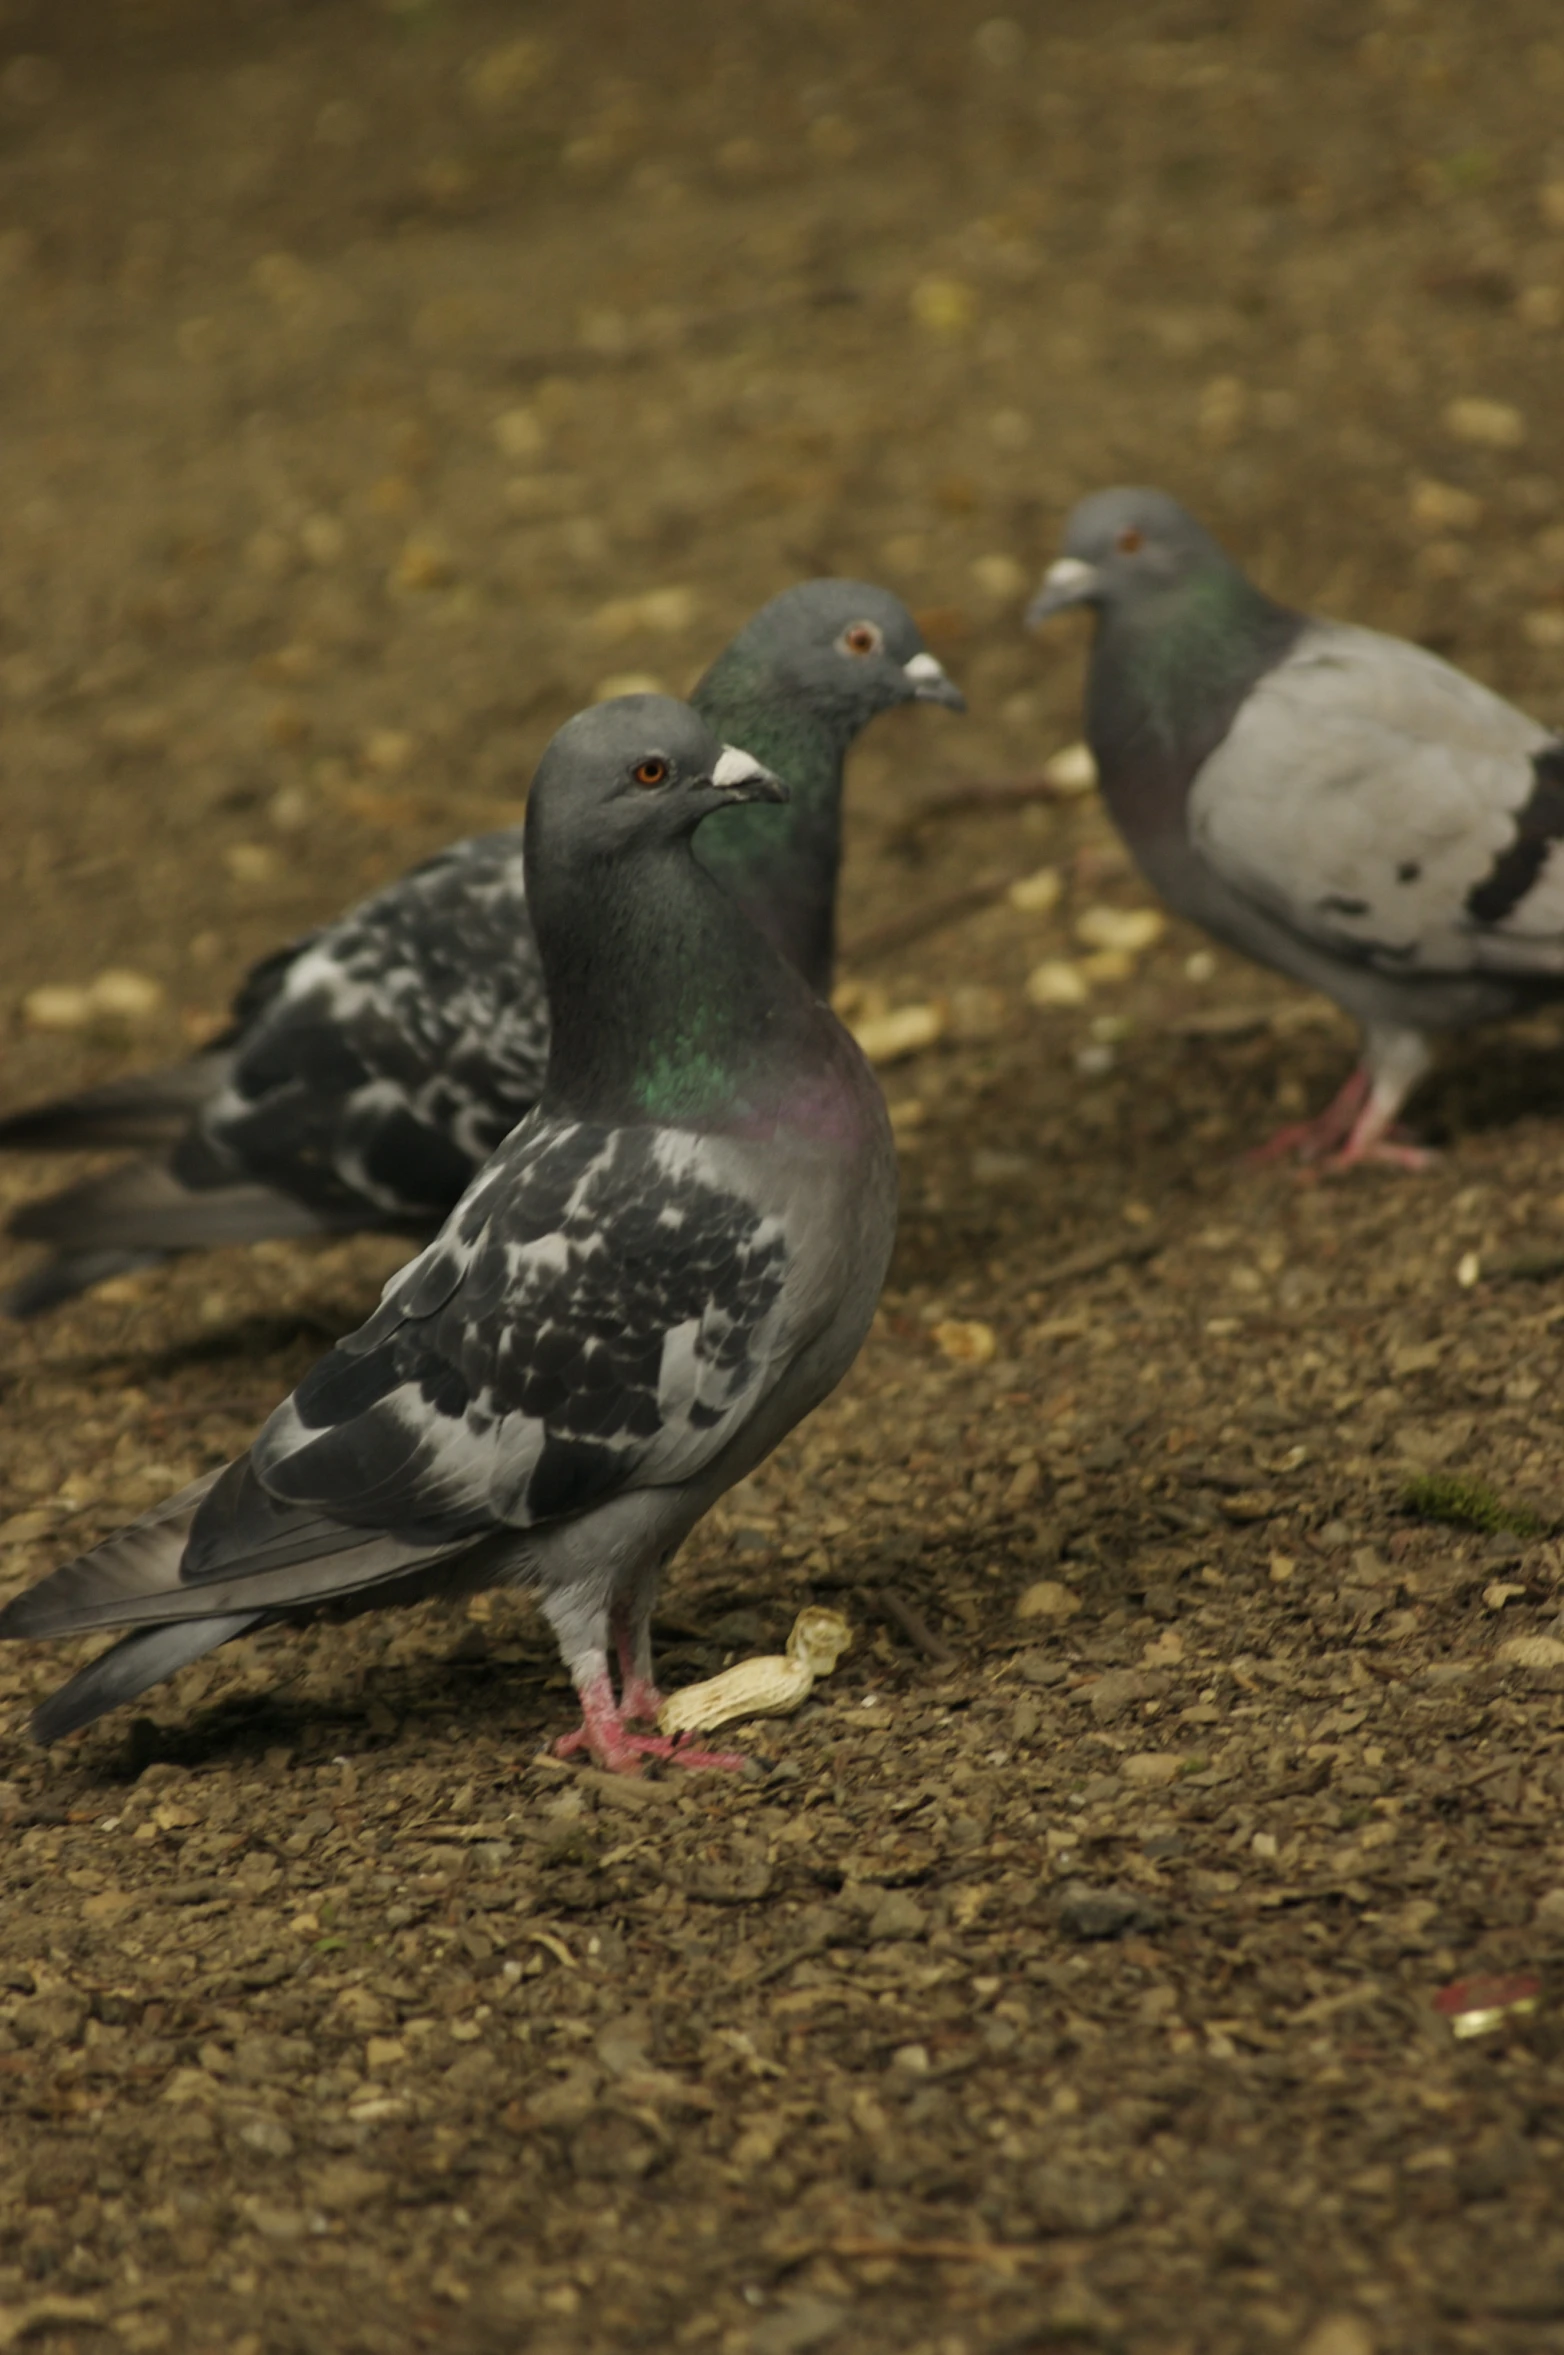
1374	1139
639	1699
1360	1124
603	1735
1312	1139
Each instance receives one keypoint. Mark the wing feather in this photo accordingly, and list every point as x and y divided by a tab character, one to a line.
604	1309
1366	795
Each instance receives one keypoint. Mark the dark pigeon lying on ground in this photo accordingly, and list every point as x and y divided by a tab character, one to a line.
1337	804
672	1259
371	1069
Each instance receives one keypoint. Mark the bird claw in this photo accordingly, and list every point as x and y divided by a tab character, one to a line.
621	1752
607	1740
724	1761
1392	1152
1317	1139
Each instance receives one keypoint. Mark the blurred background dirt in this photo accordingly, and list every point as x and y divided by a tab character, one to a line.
376	382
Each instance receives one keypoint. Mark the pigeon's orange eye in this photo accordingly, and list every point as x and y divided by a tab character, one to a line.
860	637
651	772
1129	540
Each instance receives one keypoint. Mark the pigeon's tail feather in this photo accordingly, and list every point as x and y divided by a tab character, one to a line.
300	1566
71	1273
145	1108
255	1554
108	1586
129	1667
150	1654
143	1206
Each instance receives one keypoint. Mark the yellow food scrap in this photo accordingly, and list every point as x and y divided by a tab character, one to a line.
772	1686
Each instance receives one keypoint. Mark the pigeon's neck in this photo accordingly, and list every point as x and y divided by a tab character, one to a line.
779	861
668	1006
1168	675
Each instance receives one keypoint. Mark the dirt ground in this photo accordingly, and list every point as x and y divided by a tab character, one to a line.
375	382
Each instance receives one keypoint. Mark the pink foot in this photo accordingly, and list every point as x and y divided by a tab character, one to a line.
639	1700
623	1754
723	1761
1313	1139
1389	1152
604	1735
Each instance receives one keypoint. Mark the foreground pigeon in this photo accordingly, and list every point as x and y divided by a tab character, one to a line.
371	1069
672	1259
1340	805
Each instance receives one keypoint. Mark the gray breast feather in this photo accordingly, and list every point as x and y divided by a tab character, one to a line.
1363	795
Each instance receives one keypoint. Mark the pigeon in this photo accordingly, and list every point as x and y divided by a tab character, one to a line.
1337	804
672	1259
370	1069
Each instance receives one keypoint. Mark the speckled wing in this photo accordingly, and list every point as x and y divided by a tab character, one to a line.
604	1310
1390	810
385	1059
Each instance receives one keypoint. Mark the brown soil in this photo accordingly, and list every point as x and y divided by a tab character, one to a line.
1054	1980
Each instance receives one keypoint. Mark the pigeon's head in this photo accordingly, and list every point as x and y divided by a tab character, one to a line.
1122	546
845	650
638	768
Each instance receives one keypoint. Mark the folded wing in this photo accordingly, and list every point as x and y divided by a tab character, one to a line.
1389	809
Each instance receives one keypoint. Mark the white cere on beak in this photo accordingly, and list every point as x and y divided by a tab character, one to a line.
924	670
734	768
1069	577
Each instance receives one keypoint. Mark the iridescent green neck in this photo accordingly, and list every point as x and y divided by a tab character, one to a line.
1168	674
778	861
666	1005
1190	649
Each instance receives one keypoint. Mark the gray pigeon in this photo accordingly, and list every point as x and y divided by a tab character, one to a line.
1340	805
672	1259
371	1069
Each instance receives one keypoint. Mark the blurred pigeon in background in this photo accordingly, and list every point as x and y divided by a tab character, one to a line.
1340	805
673	1259
372	1068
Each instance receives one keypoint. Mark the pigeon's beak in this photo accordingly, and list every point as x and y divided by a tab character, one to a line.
739	778
932	684
1067	583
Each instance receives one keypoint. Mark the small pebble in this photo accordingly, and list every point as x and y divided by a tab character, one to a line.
999	577
662	611
946	307
1088	1913
1035	894
1046	1598
1071	771
423	565
1492	425
519	434
1531	1651
251	862
1339	2334
1122	931
966	1342
886	1038
1057	982
1441	507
